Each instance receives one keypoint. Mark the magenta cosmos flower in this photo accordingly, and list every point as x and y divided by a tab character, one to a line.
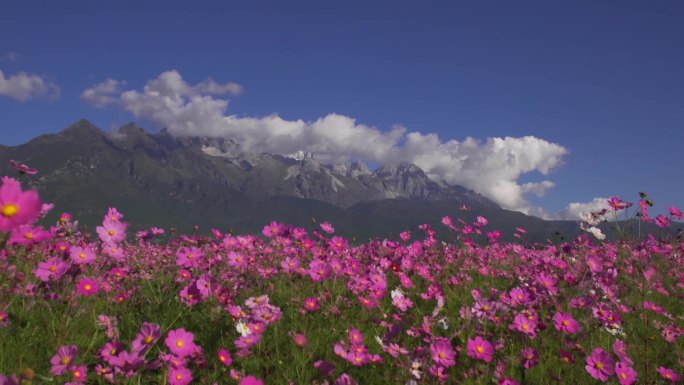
17	207
180	342
480	348
565	323
442	353
224	357
88	286
63	360
625	373
669	374
251	380
600	365
180	376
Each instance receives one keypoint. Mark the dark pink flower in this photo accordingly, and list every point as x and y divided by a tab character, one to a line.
180	376
600	365
224	357
88	286
565	323
442	352
251	380
625	373
480	348
22	168
180	342
669	374
63	360
17	207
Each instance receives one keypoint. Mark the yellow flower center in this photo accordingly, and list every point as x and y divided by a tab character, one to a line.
599	365
66	360
479	349
179	377
111	233
148	340
9	210
566	323
88	287
441	355
82	255
623	375
28	235
180	344
525	327
53	268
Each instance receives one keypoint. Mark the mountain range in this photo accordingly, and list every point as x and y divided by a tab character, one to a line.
157	179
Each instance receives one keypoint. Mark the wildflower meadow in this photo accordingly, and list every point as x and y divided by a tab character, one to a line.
296	305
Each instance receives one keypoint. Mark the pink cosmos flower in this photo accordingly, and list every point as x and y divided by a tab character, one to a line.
524	325
27	234
79	373
327	227
22	168
480	348
300	340
180	342
530	357
112	231
355	336
189	257
565	323
17	207
600	365
442	353
82	255
149	334
52	269
274	229
87	286
180	376
625	373
312	304
669	374
617	204
63	360
251	380
224	357
675	212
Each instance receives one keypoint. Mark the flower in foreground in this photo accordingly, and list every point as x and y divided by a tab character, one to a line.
565	323
88	287
442	353
224	357
17	207
600	365
180	342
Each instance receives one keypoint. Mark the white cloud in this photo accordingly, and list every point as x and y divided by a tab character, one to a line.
573	210
104	93
491	167
24	86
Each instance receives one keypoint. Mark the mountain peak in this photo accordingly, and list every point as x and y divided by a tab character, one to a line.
83	126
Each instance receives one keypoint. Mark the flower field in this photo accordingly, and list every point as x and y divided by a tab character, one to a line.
305	306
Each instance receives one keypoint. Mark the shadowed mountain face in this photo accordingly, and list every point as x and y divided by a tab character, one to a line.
160	180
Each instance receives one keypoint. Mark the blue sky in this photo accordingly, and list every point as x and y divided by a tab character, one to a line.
598	85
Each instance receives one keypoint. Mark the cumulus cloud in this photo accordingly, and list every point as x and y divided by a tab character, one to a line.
24	86
573	210
104	93
491	167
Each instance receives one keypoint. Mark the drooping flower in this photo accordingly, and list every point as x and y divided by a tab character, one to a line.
530	357
600	365
22	168
180	342
149	334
